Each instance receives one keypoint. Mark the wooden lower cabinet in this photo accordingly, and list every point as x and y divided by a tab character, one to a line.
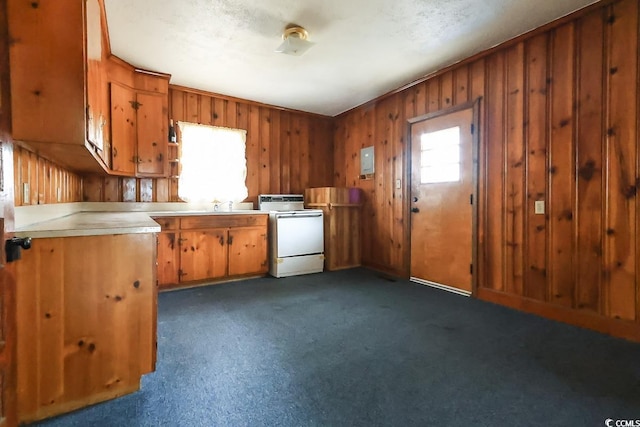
86	315
203	255
197	249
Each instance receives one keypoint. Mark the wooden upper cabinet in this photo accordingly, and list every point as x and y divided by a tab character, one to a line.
123	129
97	99
57	81
152	135
138	132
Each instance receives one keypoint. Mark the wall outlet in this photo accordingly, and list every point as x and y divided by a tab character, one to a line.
539	207
26	200
58	194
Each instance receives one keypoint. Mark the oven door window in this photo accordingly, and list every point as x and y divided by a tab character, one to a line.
299	235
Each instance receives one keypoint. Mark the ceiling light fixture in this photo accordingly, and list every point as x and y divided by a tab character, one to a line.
294	41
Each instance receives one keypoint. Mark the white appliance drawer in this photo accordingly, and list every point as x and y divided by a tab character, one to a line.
299	234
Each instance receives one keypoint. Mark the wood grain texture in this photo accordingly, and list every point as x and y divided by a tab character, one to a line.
342	225
45	180
86	331
559	123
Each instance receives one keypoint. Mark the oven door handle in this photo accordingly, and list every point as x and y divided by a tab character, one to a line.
299	215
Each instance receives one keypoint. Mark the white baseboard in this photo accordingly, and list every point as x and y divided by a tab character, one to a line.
440	286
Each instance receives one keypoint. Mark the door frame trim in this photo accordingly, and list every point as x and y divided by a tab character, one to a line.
475	106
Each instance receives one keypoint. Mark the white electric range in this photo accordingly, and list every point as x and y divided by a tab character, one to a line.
296	235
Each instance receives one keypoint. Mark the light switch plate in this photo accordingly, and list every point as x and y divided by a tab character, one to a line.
398	184
539	207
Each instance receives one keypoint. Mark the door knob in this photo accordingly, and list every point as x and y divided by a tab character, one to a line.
415	210
12	247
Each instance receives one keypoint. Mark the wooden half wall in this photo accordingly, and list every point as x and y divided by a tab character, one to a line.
559	123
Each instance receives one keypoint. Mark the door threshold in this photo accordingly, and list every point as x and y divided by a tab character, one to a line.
440	286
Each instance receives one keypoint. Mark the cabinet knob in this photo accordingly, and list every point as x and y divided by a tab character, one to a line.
221	240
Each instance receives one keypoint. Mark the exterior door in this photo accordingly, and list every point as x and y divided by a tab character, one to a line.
442	186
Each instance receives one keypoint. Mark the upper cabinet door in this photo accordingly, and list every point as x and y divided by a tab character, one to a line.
152	134
47	71
123	129
97	107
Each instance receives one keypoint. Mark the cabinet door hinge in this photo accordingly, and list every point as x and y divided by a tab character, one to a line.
473	128
470	268
470	199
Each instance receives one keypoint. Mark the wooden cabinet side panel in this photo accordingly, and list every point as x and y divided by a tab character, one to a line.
123	129
86	329
151	134
248	251
168	259
47	71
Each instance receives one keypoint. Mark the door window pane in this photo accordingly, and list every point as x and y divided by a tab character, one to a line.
440	156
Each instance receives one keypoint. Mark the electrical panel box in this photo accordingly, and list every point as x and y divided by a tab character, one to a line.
367	161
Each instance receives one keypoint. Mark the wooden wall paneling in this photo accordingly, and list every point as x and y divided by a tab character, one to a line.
477	86
177	105
446	90
420	96
285	157
206	110
340	157
622	145
219	111
589	158
384	137
561	195
461	85
17	176
433	94
265	150
33	177
161	190
303	156
515	170
93	187
192	114
315	159
112	189
535	225
232	111
42	176
295	152
275	154
398	148
254	168
354	142
495	203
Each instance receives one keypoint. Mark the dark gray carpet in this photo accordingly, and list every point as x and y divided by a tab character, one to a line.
351	348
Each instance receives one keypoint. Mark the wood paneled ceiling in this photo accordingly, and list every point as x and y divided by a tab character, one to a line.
363	48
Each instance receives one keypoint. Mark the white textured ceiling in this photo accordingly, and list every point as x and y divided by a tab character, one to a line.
363	48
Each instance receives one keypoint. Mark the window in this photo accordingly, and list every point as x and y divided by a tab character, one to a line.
440	156
214	167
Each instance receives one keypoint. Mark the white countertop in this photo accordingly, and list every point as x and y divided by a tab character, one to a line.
91	224
160	214
94	219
